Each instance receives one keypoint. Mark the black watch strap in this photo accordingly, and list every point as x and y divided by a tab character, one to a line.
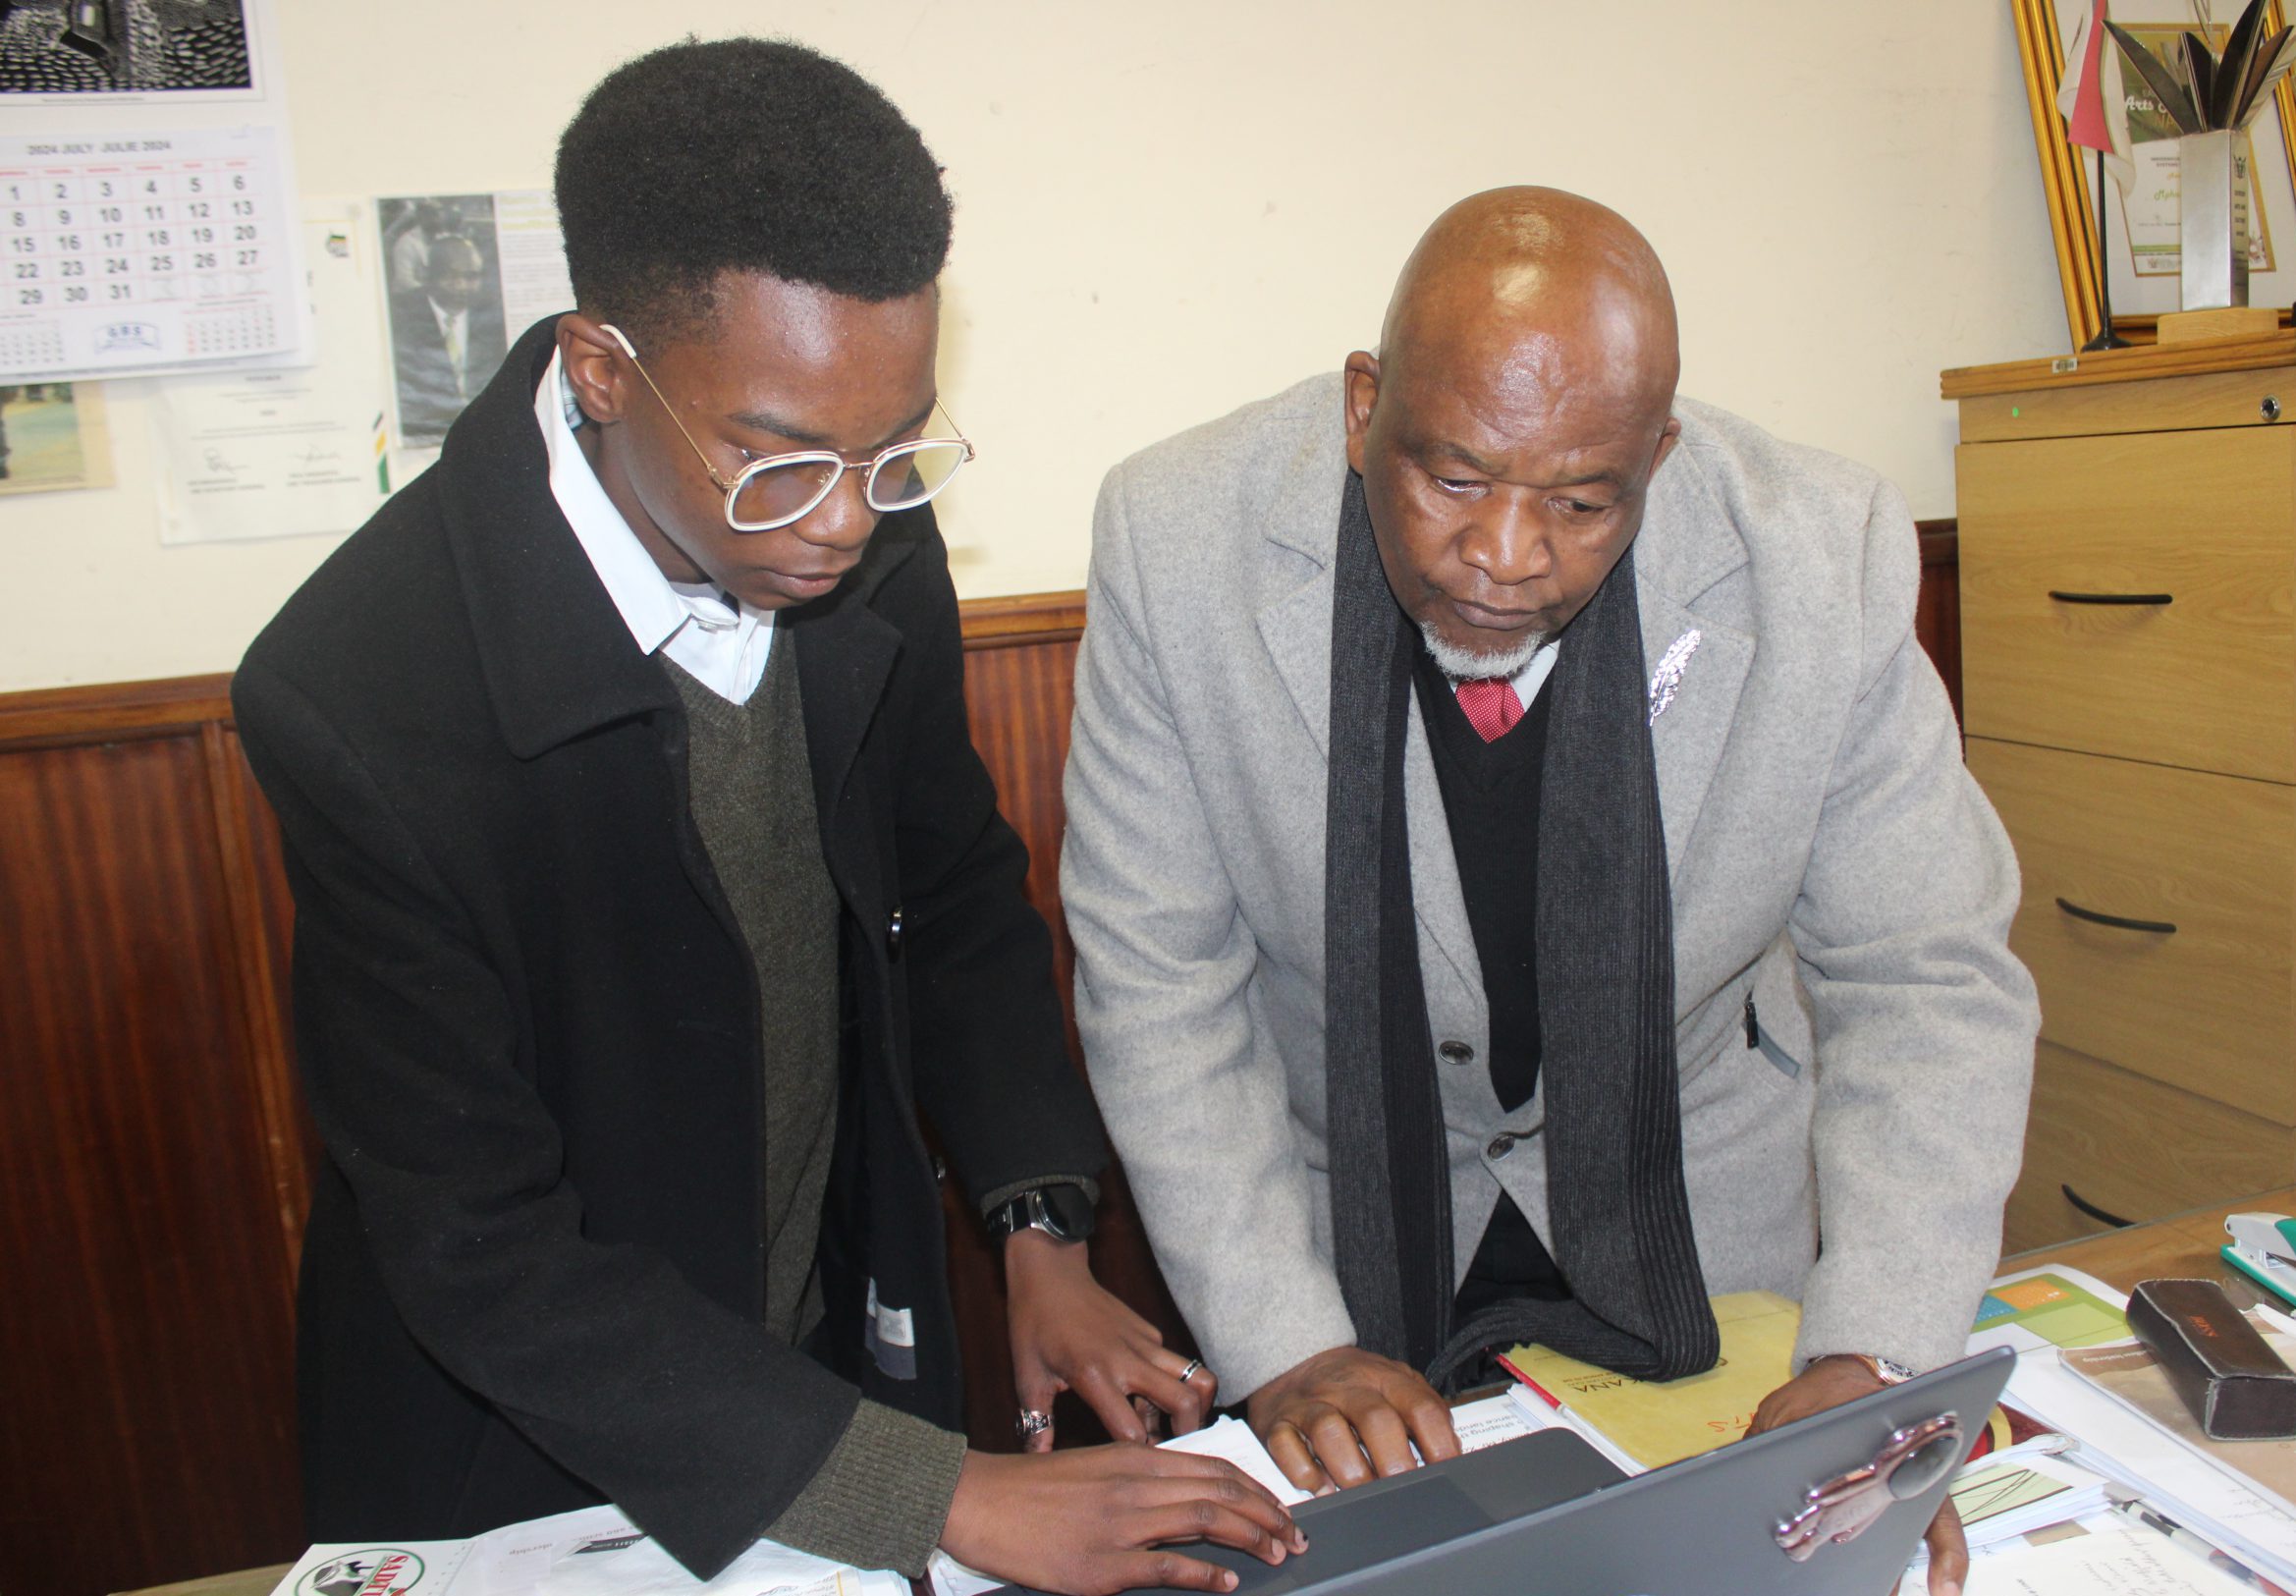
1061	1210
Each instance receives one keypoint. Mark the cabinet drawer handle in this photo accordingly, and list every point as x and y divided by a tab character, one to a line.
2118	922
2111	598
2095	1211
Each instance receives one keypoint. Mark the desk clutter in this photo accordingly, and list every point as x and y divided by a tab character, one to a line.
2093	1472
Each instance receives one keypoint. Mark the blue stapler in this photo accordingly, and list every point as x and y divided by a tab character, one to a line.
2264	1248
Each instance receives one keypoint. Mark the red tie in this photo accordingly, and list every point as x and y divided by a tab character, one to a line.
1491	706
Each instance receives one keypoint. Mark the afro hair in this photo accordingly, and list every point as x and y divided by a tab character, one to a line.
743	154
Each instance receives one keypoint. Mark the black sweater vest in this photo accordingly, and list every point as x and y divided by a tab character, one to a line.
1491	802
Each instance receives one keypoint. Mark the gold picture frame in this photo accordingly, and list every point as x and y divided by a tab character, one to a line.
2065	171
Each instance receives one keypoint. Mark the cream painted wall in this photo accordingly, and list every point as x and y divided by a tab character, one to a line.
1167	209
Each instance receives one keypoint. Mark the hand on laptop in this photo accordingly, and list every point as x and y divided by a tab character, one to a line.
1071	1333
1098	1519
1829	1382
1347	1417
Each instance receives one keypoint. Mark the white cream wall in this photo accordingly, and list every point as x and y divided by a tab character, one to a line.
1170	208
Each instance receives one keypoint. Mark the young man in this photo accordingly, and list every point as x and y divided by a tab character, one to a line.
648	890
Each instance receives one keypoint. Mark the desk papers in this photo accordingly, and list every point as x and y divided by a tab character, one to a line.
2128	1373
2099	1556
2048	1306
592	1552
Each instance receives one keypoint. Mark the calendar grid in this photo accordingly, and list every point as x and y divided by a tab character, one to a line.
172	250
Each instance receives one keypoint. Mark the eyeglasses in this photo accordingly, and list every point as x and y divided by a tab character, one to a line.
780	489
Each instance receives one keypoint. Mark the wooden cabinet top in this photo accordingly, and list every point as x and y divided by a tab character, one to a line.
2195	357
2216	382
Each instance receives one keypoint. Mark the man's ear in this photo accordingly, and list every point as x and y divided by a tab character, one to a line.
1361	393
594	366
1669	435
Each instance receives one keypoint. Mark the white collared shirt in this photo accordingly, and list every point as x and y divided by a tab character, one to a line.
721	643
1532	676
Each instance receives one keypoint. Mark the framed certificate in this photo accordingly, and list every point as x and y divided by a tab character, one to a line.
2141	254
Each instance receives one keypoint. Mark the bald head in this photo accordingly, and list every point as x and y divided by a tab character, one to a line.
1534	288
1508	429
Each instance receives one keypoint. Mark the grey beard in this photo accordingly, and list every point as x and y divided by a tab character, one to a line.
1465	664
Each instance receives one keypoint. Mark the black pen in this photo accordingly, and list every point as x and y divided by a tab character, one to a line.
2207	1552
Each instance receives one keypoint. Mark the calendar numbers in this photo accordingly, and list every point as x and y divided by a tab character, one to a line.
140	252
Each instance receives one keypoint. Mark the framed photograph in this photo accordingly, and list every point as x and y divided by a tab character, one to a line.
80	49
2141	259
53	435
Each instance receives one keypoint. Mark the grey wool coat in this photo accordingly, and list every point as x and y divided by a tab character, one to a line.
1831	859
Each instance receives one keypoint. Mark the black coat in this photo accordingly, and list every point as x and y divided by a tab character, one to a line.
527	1026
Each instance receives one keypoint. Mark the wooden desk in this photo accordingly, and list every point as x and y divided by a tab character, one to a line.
2181	1245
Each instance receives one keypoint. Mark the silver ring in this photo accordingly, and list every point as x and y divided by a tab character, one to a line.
1194	1369
1033	1422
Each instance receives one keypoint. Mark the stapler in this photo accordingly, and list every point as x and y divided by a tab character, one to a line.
2264	1248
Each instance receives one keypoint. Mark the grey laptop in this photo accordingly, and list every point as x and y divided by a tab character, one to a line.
1831	1506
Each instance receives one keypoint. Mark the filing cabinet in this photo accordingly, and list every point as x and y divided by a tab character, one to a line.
2128	624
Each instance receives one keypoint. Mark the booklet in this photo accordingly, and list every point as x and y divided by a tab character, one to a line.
590	1552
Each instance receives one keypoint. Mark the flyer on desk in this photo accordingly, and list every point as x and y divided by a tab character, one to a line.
592	1552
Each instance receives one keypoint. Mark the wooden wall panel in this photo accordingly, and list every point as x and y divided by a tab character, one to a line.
1937	616
145	1326
1020	667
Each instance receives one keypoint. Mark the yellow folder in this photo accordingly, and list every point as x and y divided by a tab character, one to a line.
1657	1425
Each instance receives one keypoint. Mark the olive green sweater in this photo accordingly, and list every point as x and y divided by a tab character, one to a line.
881	1496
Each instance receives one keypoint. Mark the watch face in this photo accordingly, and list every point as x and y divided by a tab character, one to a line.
1069	1212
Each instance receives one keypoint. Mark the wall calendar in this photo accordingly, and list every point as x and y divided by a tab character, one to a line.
140	252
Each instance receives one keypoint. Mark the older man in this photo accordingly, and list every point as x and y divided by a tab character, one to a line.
1523	874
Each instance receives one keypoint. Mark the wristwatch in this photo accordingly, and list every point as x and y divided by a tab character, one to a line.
1889	1372
1062	1211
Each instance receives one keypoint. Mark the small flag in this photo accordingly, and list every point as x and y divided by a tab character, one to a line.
2092	99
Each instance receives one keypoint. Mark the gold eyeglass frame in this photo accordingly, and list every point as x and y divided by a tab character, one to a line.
803	457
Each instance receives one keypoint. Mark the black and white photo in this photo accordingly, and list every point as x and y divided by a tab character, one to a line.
124	46
443	271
